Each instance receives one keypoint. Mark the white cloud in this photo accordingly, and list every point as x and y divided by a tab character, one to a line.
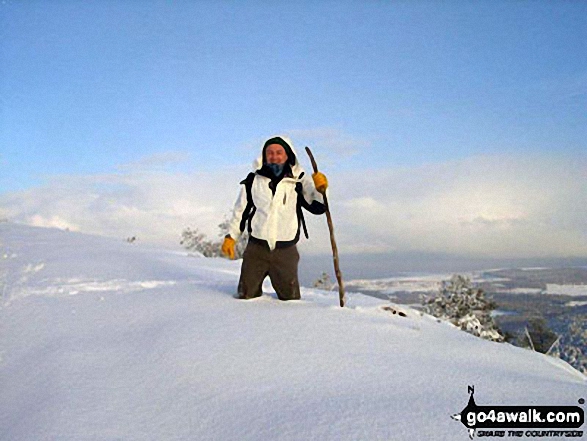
501	206
497	206
154	206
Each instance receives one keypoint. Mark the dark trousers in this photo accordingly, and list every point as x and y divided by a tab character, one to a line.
281	265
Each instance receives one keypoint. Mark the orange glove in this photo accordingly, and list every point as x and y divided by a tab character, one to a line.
228	247
320	182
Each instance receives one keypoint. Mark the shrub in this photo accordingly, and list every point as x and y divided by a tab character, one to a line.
465	306
572	344
537	336
193	240
324	282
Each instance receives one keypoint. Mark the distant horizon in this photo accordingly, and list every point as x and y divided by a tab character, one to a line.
380	266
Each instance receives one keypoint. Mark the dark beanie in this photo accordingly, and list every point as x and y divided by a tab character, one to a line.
291	158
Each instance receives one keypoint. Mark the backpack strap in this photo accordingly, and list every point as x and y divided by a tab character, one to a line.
250	209
300	203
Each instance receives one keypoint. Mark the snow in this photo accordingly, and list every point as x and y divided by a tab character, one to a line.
430	283
567	290
392	285
520	291
105	340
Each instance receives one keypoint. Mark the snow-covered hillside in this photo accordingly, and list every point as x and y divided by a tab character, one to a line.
105	340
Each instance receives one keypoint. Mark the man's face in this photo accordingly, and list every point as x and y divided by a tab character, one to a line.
275	154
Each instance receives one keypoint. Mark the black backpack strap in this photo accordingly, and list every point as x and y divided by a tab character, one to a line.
250	208
300	204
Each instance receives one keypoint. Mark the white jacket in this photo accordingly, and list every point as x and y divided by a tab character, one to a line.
275	218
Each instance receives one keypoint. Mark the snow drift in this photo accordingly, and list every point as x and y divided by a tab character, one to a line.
105	340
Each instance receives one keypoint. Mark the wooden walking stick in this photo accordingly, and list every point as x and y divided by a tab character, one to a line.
341	294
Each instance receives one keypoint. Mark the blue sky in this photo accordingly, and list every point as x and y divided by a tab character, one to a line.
94	89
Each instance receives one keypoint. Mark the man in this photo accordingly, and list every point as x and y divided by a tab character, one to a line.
270	207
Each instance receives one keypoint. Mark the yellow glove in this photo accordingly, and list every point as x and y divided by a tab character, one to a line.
320	182
228	247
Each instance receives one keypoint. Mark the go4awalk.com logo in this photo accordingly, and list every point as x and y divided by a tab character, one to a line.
521	421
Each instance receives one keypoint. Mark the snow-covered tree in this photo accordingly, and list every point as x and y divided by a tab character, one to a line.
537	335
324	282
194	240
572	344
466	306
